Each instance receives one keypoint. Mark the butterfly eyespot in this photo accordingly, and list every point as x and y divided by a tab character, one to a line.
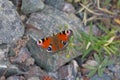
63	42
39	42
49	49
68	32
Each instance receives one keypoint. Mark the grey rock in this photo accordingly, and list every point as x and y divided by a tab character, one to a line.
15	78
68	72
15	2
116	70
11	69
104	77
68	8
59	4
4	49
30	6
36	72
11	27
22	56
30	61
33	78
48	21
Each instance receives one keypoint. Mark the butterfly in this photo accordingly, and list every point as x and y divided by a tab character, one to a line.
56	42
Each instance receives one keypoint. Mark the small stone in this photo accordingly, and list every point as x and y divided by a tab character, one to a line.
68	8
104	77
2	78
68	72
10	68
4	49
22	56
30	6
116	70
15	78
30	61
34	71
90	63
59	4
23	18
33	78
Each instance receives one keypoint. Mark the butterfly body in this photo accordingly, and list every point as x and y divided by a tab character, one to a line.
56	42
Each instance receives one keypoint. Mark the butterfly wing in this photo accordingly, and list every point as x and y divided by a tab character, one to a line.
55	42
44	43
48	44
64	38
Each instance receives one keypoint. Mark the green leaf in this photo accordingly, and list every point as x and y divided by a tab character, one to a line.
90	67
110	62
92	72
111	50
86	52
105	48
100	71
97	58
104	63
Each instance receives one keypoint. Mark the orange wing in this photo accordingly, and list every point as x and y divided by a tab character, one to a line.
44	43
64	35
64	38
56	42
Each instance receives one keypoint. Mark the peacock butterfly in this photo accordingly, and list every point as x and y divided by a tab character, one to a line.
56	42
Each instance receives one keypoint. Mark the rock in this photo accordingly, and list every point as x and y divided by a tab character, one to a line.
90	63
116	70
15	2
79	60
30	6
30	61
48	21
35	72
18	52
2	78
33	78
117	74
11	69
22	56
15	78
59	4
79	76
104	77
68	8
11	27
54	74
4	49
68	72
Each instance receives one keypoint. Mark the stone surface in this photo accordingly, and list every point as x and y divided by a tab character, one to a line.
68	8
33	78
11	27
115	69
29	6
4	49
36	72
104	77
68	72
51	21
15	2
15	78
59	4
11	69
22	56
